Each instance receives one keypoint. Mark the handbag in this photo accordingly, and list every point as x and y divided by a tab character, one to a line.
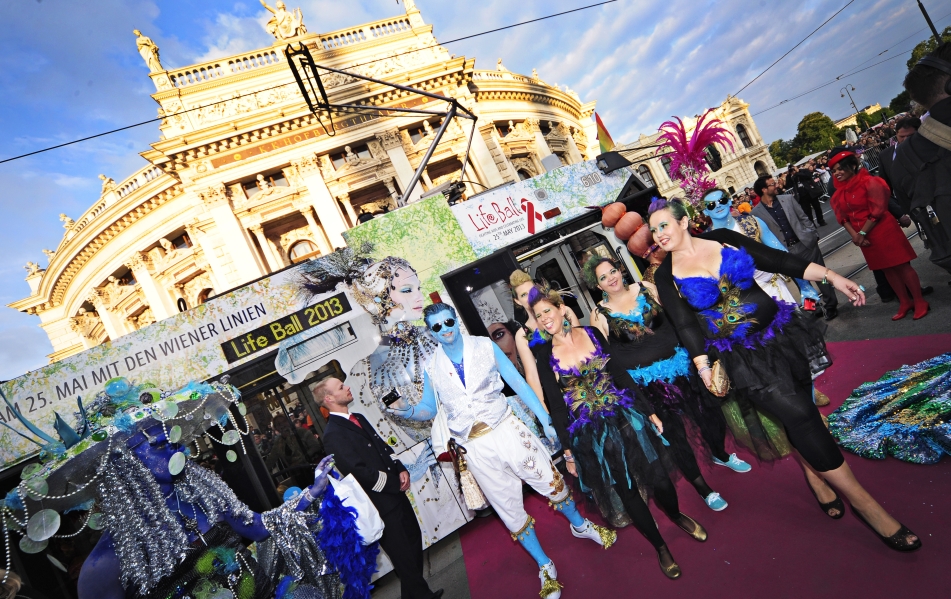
351	494
471	492
720	384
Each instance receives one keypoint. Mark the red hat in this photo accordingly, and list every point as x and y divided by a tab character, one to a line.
839	155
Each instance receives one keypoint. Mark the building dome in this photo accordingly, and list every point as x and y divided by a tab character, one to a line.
244	181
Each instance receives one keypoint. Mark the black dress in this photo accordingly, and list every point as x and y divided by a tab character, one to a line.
765	345
602	419
646	345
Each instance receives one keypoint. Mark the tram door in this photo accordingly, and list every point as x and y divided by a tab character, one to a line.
560	269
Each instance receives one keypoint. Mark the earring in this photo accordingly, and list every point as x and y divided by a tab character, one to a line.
566	324
604	296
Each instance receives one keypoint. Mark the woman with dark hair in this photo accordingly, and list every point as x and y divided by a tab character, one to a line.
731	327
641	340
611	435
860	203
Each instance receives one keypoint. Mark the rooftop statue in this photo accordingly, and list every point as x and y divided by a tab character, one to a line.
284	24
148	50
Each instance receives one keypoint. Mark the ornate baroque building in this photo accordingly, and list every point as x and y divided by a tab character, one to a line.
737	170
244	181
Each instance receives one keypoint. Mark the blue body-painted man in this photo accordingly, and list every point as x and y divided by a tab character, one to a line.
717	205
464	378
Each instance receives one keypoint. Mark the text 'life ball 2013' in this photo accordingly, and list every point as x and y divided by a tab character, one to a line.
612	213
640	242
628	224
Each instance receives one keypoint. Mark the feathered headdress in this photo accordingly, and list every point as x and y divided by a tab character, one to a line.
687	156
322	275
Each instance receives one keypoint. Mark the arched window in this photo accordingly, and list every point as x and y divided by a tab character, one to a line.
524	174
646	175
302	250
760	168
203	296
744	136
713	158
665	162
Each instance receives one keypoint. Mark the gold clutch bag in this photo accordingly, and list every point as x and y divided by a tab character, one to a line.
720	384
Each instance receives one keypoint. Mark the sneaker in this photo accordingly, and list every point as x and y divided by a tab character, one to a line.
715	502
551	588
599	534
734	463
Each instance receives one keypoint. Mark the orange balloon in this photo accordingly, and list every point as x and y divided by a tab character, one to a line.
640	242
628	224
612	213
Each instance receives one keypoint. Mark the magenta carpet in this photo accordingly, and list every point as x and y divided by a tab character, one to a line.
772	541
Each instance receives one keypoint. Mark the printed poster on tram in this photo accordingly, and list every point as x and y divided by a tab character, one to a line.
505	215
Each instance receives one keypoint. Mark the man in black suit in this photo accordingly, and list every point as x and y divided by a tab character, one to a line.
359	450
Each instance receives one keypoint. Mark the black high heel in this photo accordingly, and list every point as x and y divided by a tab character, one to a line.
897	540
835	504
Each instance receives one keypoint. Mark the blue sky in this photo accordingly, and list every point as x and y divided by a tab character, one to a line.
70	69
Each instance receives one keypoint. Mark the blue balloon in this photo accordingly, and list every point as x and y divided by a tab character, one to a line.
291	493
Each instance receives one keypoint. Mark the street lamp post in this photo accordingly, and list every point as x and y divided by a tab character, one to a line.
845	90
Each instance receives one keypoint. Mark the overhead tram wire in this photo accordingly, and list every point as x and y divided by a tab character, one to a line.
161	118
850	73
794	47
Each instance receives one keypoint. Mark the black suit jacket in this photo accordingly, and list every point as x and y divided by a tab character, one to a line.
362	453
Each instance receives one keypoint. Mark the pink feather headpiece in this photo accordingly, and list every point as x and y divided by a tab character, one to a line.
687	158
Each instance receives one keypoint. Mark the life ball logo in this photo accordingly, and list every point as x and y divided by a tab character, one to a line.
529	208
531	213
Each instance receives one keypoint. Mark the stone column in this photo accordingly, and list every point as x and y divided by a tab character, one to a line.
573	151
482	157
344	199
272	262
394	194
324	204
214	266
114	326
390	140
319	238
246	260
541	146
157	298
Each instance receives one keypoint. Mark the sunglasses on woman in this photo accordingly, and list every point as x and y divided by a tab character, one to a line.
723	201
448	323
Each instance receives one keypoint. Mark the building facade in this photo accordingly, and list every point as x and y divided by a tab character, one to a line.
737	169
244	180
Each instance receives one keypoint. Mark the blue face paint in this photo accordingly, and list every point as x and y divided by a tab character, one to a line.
719	212
448	326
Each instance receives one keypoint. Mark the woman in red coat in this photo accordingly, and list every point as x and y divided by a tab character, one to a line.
860	203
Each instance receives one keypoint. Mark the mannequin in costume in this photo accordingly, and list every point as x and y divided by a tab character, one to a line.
765	347
465	379
611	435
174	529
642	340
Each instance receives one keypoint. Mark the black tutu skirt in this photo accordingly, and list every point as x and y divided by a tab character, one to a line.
776	362
612	451
684	398
778	358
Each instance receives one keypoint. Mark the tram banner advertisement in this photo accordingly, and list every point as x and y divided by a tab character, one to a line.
196	345
506	215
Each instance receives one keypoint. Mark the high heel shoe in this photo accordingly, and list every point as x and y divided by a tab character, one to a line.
903	311
921	309
835	504
671	570
898	540
691	527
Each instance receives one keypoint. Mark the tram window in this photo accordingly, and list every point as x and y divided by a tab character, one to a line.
551	272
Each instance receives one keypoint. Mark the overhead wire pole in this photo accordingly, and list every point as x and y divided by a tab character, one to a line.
934	31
